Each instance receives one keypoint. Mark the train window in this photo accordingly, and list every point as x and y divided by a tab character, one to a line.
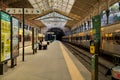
107	38
73	38
80	38
104	38
84	37
88	37
111	38
116	37
76	38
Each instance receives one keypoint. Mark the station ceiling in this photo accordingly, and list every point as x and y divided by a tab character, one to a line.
77	10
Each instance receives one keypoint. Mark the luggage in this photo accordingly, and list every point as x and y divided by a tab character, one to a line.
45	47
40	46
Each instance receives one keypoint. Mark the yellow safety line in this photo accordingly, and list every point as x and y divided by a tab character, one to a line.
74	72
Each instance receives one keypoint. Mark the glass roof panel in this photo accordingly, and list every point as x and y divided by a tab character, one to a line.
53	19
32	1
60	1
71	1
35	6
52	4
37	0
40	4
69	6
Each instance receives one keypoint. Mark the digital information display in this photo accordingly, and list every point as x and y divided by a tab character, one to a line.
15	39
5	44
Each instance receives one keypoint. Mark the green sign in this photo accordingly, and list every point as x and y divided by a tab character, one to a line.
96	27
5	16
5	36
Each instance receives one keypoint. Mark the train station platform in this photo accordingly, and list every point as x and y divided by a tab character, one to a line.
55	63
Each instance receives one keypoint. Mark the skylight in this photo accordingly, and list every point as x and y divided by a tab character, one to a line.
44	5
53	19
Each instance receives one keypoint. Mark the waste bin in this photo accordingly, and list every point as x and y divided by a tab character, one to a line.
116	73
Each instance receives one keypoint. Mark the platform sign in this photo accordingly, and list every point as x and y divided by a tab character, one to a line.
15	41
5	41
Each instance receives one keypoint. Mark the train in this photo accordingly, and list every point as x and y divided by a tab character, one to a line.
109	39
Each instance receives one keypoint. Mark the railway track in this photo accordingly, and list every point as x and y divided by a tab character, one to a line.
85	58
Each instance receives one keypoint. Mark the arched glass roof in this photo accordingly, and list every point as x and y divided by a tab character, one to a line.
44	5
53	19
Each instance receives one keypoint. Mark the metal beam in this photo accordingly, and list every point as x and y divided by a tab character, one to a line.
54	17
42	14
64	14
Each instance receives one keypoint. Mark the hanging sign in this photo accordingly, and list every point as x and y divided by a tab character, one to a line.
20	11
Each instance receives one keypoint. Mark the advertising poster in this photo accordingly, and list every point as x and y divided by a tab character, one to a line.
5	36
15	43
